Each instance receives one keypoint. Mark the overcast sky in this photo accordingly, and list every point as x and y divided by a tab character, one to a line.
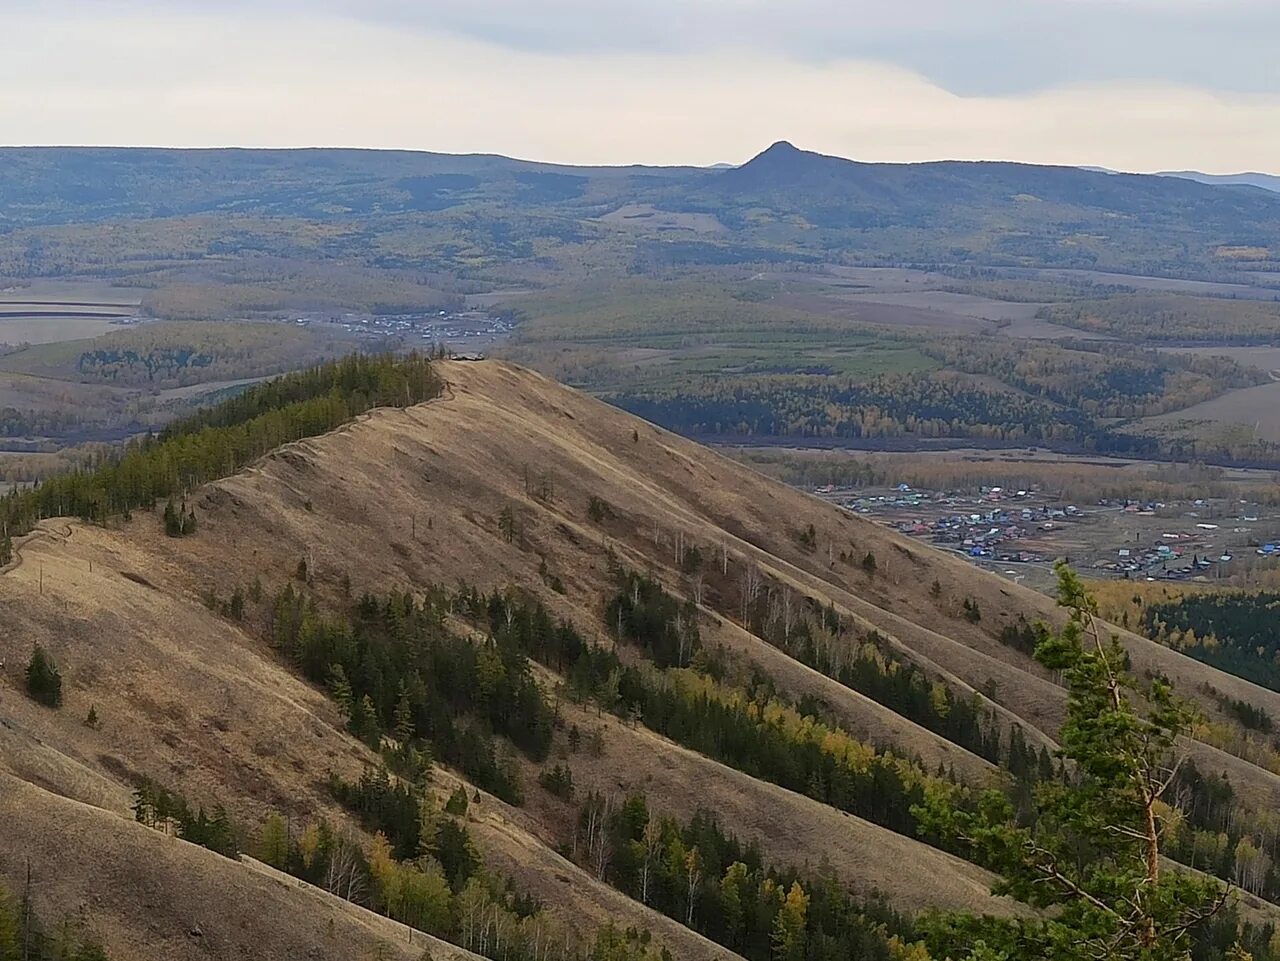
1130	84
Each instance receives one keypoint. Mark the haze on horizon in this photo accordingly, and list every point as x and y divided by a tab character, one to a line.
1127	84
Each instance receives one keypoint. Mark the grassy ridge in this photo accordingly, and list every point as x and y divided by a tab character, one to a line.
219	441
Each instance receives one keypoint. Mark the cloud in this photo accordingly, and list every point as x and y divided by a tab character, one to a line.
117	75
968	47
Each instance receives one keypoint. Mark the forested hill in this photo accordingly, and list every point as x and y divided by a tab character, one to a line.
411	210
511	661
59	185
835	193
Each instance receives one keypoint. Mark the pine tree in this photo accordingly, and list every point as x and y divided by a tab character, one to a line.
340	688
172	520
363	721
1091	863
457	803
221	834
507	525
235	606
273	842
44	683
403	721
788	934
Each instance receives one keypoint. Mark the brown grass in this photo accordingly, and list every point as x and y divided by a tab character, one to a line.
148	895
1255	409
407	498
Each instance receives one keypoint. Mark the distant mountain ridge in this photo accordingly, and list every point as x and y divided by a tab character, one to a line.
1250	179
1027	210
784	204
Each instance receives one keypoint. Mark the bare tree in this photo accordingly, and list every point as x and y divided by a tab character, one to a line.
693	874
343	877
751	583
652	838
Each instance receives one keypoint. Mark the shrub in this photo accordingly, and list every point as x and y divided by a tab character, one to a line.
44	683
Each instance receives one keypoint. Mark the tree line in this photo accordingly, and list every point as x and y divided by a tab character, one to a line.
751	729
817	636
1106	381
747	727
884	407
1172	318
166	810
398	673
421	868
1233	631
220	440
705	878
424	870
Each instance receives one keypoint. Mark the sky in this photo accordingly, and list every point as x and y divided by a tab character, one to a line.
1127	84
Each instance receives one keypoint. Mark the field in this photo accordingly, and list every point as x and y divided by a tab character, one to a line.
649	217
166	355
46	312
640	337
1173	319
1265	289
1265	358
1252	412
70	394
834	352
646	284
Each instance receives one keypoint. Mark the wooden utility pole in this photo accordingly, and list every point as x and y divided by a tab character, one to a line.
26	916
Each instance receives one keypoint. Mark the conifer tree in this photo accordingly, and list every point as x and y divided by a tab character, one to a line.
789	925
44	683
1092	861
507	524
363	721
457	803
340	688
273	842
404	721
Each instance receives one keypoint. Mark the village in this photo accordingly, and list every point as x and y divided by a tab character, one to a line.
452	328
1020	533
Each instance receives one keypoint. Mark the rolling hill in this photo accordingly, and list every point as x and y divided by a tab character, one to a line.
1259	180
165	217
508	483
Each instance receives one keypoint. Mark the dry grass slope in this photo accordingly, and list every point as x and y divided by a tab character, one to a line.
410	497
147	895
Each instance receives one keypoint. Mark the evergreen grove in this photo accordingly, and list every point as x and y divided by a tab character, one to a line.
224	438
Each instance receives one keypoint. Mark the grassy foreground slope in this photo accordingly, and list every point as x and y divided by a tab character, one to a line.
405	498
151	896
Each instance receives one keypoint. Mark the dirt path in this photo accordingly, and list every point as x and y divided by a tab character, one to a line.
42	529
